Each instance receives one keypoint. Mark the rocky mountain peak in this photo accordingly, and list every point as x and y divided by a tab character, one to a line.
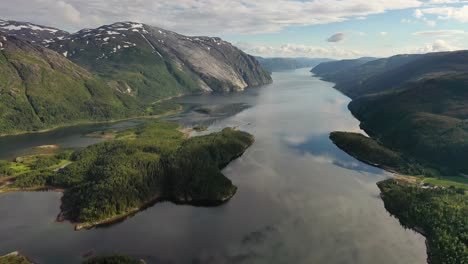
31	32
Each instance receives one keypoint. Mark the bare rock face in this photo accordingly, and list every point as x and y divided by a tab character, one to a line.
211	63
49	77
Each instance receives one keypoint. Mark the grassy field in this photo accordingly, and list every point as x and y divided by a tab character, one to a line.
447	182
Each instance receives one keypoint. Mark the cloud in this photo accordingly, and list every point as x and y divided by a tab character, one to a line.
418	14
440	33
336	37
438	46
209	17
298	50
444	13
383	34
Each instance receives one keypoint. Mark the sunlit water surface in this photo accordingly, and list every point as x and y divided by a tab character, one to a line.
300	199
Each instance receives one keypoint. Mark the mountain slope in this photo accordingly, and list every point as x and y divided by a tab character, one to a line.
390	73
152	63
333	67
414	104
40	88
31	32
284	64
425	119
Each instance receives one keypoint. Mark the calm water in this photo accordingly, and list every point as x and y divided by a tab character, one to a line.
300	199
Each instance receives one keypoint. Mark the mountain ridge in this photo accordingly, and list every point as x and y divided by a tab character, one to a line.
133	64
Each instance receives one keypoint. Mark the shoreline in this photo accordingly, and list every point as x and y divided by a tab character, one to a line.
111	220
89	122
157	199
33	189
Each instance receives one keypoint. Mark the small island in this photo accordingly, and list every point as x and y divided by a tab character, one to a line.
111	180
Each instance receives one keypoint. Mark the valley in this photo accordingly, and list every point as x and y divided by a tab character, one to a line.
292	184
113	72
413	109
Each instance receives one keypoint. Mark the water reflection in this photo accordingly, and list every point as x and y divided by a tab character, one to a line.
322	150
300	199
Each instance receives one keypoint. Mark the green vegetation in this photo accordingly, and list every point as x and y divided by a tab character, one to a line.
200	128
113	259
372	152
456	183
152	162
415	108
32	172
14	258
440	214
41	89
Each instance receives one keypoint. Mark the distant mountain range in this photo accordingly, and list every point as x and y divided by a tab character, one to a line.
284	64
50	77
414	104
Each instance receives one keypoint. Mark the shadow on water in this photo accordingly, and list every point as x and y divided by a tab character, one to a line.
321	146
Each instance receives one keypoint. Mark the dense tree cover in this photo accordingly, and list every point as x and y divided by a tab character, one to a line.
372	152
414	104
113	259
441	214
425	121
142	165
5	168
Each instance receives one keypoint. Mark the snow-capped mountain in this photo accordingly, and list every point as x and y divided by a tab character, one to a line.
211	63
31	32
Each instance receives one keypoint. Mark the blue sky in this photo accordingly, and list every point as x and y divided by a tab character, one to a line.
285	28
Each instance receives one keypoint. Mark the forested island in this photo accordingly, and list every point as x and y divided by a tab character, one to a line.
414	109
108	181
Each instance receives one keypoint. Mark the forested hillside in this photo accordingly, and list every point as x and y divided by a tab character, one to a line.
40	88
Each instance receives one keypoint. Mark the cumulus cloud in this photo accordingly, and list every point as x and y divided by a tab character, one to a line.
336	37
298	50
383	34
198	16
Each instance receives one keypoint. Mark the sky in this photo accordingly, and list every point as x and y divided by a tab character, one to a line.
338	29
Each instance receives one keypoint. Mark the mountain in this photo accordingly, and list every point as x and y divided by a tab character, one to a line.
284	64
425	119
152	63
31	32
40	88
51	78
332	67
414	104
390	73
